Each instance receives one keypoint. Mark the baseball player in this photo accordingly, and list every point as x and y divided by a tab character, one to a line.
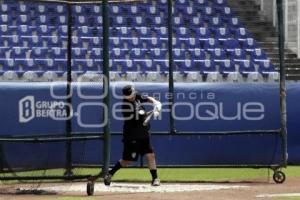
136	137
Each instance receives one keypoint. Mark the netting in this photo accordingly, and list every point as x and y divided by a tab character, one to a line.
42	43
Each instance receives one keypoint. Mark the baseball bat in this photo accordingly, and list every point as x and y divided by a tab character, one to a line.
148	118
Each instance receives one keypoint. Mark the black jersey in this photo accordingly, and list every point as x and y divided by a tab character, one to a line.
133	128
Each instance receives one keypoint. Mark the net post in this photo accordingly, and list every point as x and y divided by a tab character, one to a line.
68	171
171	67
106	86
283	112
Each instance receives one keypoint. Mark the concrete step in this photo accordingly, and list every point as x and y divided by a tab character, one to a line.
275	55
293	77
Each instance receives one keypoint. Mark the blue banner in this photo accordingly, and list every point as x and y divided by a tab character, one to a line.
40	109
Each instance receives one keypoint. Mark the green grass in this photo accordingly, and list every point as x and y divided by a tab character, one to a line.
179	174
201	174
288	198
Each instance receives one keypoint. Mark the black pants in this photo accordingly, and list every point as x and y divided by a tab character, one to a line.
134	148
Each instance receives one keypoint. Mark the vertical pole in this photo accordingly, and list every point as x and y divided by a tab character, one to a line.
106	85
68	171
298	28
171	79
283	115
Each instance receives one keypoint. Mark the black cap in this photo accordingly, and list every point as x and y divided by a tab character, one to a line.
128	90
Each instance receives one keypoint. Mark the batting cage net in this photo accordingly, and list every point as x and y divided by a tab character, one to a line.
60	57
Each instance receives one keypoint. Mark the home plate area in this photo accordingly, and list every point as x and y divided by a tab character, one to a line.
141	188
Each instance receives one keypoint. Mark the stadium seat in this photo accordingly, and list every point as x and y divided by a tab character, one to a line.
215	22
39	52
206	66
5	19
217	54
4	30
249	43
59	53
79	53
222	33
237	54
18	52
32	41
245	67
234	22
265	67
231	44
258	54
227	67
210	43
203	33
242	33
197	54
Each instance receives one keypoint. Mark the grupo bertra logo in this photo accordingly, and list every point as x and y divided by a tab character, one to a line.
30	108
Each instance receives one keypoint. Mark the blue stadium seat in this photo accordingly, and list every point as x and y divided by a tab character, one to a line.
96	53
178	54
231	44
220	2
59	53
76	42
182	32
152	43
226	67
38	52
84	31
217	55
152	10
162	32
265	67
226	12
114	9
197	54
24	30
6	19
201	3
196	21
117	54
3	52
206	66
159	21
203	33
183	66
40	8
4	30
245	67
258	54
234	22
143	32
14	40
79	53
192	43
249	43
46	63
18	52
125	32
237	54
4	8
80	20
62	30
242	33
32	41
138	21
23	19
95	42
159	54
134	42
222	33
137	53
210	43
45	30
118	20
177	21
215	22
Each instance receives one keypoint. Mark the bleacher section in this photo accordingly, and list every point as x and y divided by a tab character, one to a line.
210	43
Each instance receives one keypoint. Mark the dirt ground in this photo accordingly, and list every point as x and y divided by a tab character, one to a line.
292	185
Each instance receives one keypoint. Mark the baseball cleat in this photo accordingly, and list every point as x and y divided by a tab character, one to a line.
107	179
155	182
